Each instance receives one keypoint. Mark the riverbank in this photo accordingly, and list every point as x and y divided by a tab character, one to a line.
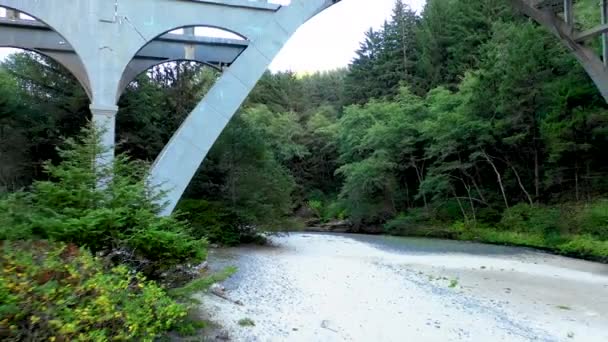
336	287
577	246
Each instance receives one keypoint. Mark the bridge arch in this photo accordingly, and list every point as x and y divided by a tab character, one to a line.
217	51
48	42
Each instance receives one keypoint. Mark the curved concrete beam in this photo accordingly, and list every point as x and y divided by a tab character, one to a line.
210	51
180	159
566	34
37	39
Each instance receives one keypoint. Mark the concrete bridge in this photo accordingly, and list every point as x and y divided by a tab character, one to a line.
106	44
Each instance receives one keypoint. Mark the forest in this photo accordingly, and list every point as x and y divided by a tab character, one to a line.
465	121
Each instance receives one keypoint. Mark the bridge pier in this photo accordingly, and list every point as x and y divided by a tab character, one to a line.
104	119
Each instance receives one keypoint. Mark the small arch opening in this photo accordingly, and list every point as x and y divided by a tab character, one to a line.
212	46
41	102
156	102
22	31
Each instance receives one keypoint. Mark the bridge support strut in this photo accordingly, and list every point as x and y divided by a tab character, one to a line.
547	13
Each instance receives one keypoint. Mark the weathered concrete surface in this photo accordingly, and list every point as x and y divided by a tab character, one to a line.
319	287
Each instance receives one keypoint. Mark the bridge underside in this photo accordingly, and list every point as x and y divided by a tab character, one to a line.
36	36
106	44
558	17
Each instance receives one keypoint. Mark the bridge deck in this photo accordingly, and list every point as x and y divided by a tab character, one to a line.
36	36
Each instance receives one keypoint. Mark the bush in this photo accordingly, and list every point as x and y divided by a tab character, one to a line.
585	246
57	292
415	222
211	220
447	211
593	219
122	213
328	209
335	210
546	221
317	208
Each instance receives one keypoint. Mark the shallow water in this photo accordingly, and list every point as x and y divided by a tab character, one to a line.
337	287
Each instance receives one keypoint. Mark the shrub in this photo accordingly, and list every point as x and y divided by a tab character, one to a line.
447	211
413	222
335	210
57	292
317	208
585	246
213	221
104	208
593	219
546	221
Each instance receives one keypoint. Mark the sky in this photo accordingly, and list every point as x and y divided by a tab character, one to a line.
329	40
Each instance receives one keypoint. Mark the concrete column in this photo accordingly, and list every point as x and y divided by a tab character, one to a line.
104	119
12	14
189	31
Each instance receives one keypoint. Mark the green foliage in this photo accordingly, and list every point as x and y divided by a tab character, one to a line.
121	213
201	284
593	219
214	222
386	58
415	222
459	112
585	246
316	207
538	220
57	292
328	208
246	322
582	246
573	219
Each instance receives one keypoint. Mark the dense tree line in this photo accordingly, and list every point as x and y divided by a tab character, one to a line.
466	112
491	112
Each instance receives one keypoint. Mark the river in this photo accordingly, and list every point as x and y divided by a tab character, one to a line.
340	287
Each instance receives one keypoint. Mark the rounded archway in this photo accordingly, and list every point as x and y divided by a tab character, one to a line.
23	31
213	46
157	101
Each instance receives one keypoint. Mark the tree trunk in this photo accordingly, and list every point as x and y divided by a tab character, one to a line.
468	188
481	196
521	185
407	195
464	213
419	175
499	177
576	190
536	173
